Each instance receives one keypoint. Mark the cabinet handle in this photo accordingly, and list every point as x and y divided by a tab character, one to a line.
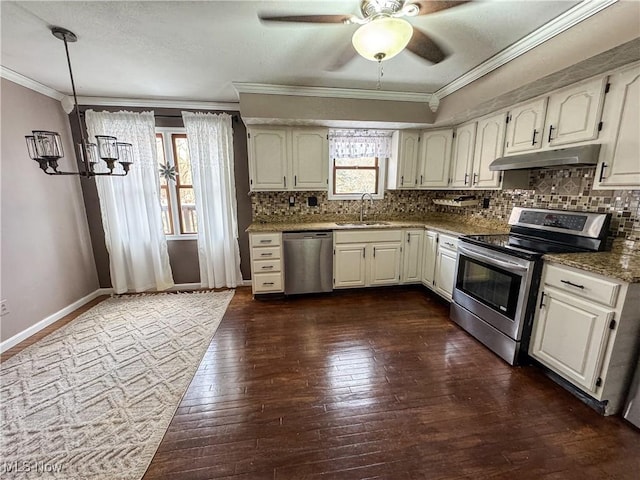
266	254
541	301
402	180
408	238
533	140
267	267
285	182
374	252
581	287
602	167
466	178
475	179
267	283
420	179
265	241
295	180
551	129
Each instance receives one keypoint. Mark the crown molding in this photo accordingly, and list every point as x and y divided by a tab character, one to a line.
571	17
26	82
152	103
328	92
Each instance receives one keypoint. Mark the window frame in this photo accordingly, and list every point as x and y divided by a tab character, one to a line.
380	180
173	190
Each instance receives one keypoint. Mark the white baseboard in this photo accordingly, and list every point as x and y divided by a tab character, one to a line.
33	329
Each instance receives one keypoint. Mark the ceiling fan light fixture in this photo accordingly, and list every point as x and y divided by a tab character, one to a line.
382	38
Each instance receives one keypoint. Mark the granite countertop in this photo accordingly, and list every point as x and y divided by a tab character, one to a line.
622	262
450	224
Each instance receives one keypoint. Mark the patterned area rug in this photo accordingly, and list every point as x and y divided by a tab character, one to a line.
94	399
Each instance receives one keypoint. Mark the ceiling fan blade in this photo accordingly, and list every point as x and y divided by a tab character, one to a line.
348	53
426	7
308	18
425	47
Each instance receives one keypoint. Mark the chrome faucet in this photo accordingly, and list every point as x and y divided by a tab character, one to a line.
362	204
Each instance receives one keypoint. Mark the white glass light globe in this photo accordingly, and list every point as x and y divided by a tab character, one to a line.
382	38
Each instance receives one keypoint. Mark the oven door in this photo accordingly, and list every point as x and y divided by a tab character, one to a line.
493	286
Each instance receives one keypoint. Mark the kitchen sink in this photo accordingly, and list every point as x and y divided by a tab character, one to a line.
361	224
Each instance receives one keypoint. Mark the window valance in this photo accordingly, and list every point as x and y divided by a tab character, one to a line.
360	143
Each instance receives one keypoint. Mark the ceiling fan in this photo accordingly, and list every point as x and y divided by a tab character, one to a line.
383	32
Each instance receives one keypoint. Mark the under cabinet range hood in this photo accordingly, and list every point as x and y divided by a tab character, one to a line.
585	155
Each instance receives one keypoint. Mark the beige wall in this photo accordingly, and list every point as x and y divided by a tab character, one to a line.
47	262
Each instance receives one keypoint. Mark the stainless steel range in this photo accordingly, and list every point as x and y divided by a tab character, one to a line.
498	275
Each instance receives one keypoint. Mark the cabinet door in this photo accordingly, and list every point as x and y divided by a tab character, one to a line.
462	157
619	165
403	167
349	265
435	158
525	127
573	113
489	146
412	256
445	272
384	264
570	335
310	159
268	159
429	258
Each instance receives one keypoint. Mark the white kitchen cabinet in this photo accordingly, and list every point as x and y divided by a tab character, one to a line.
402	170
268	158
429	258
573	113
364	258
445	272
349	269
434	159
412	256
619	163
462	155
586	329
286	158
309	158
525	127
266	262
489	146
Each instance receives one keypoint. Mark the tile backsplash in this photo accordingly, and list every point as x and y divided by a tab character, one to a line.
563	189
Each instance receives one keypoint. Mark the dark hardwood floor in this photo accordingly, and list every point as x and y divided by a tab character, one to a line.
377	384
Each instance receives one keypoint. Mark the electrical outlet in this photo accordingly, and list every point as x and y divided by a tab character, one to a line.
4	308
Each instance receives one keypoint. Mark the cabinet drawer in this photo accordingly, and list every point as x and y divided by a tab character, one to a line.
267	282
266	253
263	266
358	236
448	241
582	284
265	239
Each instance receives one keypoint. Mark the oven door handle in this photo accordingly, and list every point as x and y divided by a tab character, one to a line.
507	265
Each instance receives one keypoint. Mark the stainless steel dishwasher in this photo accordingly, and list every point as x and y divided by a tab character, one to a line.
308	262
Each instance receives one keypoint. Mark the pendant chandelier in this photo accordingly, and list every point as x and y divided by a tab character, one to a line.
45	147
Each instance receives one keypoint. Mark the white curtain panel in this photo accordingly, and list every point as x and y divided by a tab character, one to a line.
359	143
130	206
210	140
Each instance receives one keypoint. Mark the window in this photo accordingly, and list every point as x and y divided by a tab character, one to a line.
355	176
357	163
177	198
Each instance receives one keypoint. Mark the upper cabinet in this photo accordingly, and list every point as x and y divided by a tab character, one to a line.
462	157
568	116
619	164
489	146
525	127
403	165
435	158
285	158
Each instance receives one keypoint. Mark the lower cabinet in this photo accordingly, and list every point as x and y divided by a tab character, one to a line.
412	256
266	262
586	330
445	274
366	258
429	254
